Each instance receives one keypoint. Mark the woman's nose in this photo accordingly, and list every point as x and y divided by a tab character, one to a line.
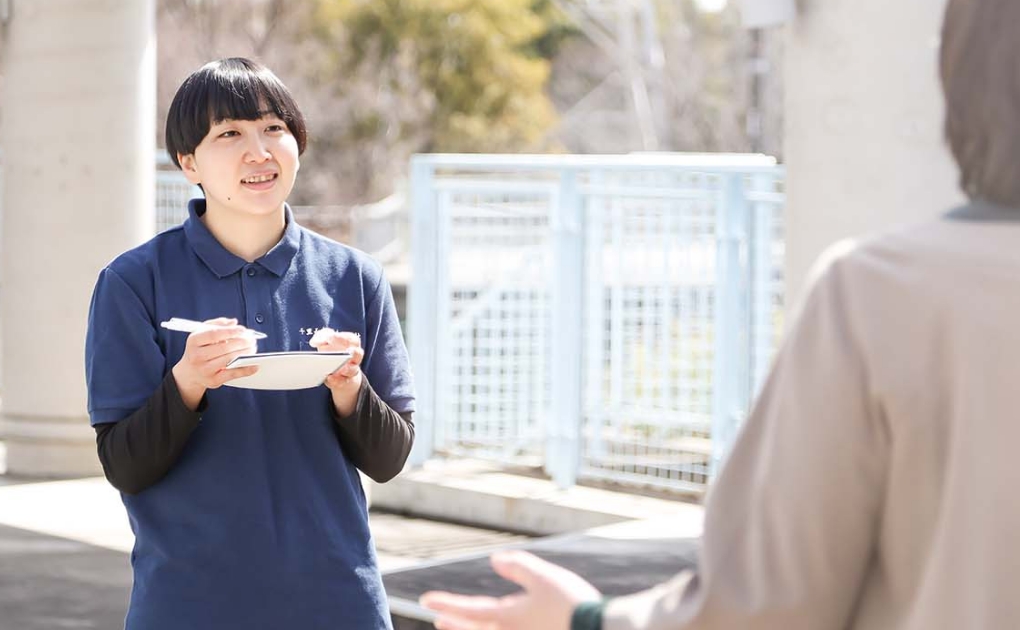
257	151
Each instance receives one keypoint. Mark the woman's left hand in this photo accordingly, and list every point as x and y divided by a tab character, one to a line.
345	383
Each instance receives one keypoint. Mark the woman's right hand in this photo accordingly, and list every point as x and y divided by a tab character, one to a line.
206	356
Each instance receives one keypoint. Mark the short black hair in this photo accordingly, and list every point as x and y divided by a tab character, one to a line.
228	89
980	76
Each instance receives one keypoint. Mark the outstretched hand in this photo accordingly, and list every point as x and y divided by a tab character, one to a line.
547	602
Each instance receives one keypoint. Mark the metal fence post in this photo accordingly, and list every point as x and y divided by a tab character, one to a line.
421	305
563	444
763	293
730	328
444	400
594	403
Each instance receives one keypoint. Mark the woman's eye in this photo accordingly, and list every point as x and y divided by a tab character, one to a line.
228	134
274	128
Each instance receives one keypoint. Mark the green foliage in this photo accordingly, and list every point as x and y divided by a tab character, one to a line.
558	29
480	62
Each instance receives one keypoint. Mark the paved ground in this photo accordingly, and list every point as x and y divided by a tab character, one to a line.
64	549
618	559
49	583
64	552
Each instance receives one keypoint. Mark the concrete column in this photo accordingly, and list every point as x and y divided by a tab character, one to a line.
863	139
78	142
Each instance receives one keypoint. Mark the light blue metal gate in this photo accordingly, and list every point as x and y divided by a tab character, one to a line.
604	317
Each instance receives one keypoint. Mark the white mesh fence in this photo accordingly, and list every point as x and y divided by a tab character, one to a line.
656	256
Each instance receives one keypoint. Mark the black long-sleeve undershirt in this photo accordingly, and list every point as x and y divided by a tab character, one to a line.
375	438
139	450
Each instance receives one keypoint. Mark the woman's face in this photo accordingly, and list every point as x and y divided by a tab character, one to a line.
245	166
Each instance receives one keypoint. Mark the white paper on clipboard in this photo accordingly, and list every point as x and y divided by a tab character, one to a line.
287	370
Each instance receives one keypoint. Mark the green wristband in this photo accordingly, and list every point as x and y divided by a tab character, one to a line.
587	616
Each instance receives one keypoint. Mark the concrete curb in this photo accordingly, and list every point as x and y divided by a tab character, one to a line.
481	494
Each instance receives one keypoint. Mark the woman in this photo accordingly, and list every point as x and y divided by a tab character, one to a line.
246	505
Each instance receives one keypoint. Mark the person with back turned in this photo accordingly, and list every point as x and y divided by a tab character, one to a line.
874	485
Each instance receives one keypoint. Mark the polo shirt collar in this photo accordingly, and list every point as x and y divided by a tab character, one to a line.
277	259
223	263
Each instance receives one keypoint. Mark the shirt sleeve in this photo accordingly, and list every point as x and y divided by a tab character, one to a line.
124	363
139	450
386	363
375	438
791	522
140	420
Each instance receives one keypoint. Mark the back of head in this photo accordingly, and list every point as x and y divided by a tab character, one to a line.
980	71
228	89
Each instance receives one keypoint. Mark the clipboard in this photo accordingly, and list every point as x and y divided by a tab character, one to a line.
287	370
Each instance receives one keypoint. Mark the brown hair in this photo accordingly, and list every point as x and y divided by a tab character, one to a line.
980	70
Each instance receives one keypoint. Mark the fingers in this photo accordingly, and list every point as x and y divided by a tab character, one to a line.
216	349
220	329
321	337
442	601
448	623
223	361
474	607
208	352
546	601
333	341
218	334
550	582
225	376
343	378
335	380
523	568
329	340
351	368
221	321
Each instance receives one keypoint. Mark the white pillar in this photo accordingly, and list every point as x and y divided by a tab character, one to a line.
78	142
863	141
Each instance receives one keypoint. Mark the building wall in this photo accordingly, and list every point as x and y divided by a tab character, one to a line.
863	139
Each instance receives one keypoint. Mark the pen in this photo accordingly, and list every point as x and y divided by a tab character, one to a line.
189	326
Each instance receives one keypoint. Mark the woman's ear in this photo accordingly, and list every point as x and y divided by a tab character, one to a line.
190	167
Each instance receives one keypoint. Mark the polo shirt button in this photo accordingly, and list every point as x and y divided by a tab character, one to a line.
251	271
259	319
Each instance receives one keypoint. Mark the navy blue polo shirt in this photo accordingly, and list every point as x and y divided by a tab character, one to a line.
262	522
